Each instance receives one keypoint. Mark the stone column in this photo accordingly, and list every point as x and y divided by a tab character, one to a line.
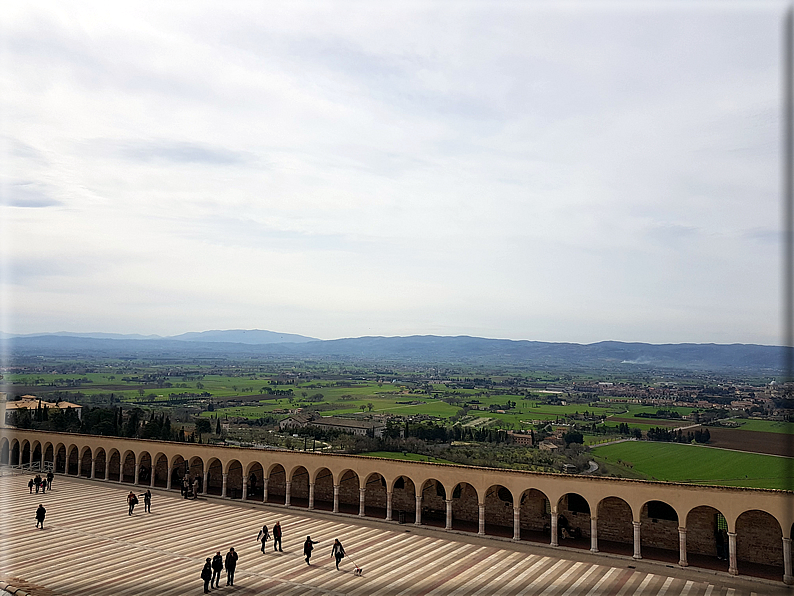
205	482
336	498
516	523
554	516
264	489
223	490
107	467
362	499
79	465
42	460
168	480
682	547
137	473
593	534
732	569
418	519
481	524
448	525
637	539
245	488
287	493
788	576
151	475
93	467
311	495
388	505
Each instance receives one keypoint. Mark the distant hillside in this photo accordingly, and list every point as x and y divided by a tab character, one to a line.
243	336
743	359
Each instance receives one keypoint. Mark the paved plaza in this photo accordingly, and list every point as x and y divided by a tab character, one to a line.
90	546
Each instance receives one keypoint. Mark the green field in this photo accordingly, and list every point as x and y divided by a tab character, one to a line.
767	426
675	462
406	456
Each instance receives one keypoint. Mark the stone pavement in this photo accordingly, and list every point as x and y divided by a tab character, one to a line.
90	546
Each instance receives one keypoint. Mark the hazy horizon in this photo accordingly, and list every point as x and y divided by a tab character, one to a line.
575	172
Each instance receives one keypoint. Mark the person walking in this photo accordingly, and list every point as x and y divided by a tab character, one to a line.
264	536
184	487
277	537
217	567
38	481
132	501
308	547
195	487
40	513
206	575
337	552
49	480
43	485
231	565
30	486
147	501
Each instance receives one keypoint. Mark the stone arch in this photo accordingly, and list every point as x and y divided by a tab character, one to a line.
144	464
465	507
759	545
178	471
234	479
196	470
277	484
324	489
375	495
25	456
72	459
114	465
349	494
85	462
615	527
434	507
256	476
14	453
299	487
214	477
498	502
707	538
573	520
659	531
5	452
128	467
35	457
60	458
99	466
49	455
535	516
160	470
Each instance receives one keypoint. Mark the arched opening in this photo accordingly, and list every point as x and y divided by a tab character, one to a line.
299	487
15	453
196	472
144	468
615	527
434	509
36	457
234	480
178	470
25	453
277	485
659	532
324	490
349	494
214	477
128	468
707	538
5	455
759	545
465	508
99	465
573	521
72	461
60	459
535	516
49	456
85	463
114	466
499	511
375	496
161	470
256	476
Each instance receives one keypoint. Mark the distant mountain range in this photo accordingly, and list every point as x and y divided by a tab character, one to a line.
747	359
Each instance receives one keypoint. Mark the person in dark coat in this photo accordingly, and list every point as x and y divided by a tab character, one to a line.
38	482
206	575
132	501
217	567
264	536
231	565
30	486
337	552
277	537
147	501
40	513
49	480
43	485
308	547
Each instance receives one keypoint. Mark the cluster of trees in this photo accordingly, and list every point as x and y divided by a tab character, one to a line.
679	436
624	429
663	414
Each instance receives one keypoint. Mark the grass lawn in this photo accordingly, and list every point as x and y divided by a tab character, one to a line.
675	462
408	456
767	426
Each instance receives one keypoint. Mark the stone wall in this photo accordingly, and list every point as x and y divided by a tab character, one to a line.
759	539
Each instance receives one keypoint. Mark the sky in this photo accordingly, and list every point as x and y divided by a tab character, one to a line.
570	171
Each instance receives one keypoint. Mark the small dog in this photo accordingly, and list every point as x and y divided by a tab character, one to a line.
358	571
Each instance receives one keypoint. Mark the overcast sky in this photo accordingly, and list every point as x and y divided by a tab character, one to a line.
546	171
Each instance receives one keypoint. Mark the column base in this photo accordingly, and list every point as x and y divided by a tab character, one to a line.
733	572
683	564
788	579
516	539
636	557
594	550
